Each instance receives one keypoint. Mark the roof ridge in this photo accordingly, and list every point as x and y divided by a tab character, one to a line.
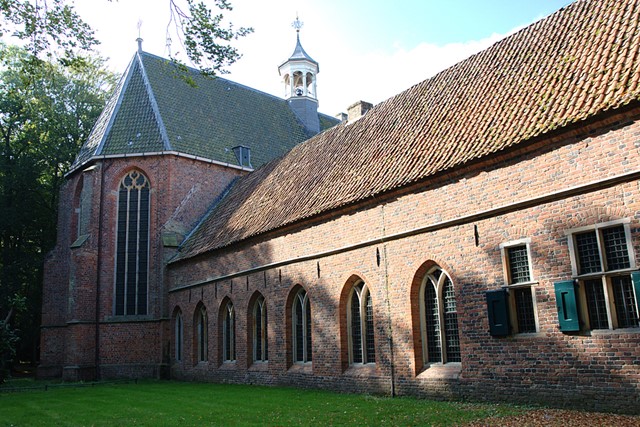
127	78
154	105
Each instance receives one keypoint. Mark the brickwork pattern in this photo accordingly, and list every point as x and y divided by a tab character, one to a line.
547	366
181	192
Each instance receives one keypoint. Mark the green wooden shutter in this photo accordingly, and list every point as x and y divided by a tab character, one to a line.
567	304
498	311
635	278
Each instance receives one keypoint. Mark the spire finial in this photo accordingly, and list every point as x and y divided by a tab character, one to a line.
297	24
139	39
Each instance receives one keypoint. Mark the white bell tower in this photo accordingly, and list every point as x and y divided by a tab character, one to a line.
300	70
299	77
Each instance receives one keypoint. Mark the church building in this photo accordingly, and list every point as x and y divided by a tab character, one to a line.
473	237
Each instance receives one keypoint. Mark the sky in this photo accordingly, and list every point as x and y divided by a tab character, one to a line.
367	50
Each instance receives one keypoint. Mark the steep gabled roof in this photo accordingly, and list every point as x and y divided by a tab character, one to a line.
154	109
573	65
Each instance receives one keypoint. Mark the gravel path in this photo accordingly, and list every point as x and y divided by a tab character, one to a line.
560	418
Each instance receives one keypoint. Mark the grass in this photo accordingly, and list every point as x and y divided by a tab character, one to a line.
168	403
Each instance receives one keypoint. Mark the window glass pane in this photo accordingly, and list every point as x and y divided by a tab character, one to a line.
588	255
524	309
625	302
371	350
265	333
615	248
451	322
596	304
258	333
356	329
518	264
432	323
132	246
308	332
201	334
228	334
299	330
178	337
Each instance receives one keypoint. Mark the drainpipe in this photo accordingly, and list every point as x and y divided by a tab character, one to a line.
98	275
389	324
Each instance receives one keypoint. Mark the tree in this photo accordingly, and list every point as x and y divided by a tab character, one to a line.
46	112
53	29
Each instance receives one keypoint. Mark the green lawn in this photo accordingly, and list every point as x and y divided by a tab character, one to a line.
168	403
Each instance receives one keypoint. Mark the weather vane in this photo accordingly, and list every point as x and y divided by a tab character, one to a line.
139	27
297	24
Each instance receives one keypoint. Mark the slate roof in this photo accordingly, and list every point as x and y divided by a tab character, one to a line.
576	63
299	54
153	109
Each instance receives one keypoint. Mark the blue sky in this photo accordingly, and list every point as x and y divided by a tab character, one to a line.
367	49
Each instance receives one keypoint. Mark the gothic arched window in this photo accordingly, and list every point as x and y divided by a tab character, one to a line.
229	333
179	336
360	323
201	334
132	245
439	318
260	336
302	351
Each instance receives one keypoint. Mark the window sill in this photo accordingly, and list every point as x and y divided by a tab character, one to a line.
527	335
302	368
130	318
441	371
604	273
361	370
259	366
80	241
605	332
521	284
229	365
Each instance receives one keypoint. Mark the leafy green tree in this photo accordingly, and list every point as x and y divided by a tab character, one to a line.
53	29
46	112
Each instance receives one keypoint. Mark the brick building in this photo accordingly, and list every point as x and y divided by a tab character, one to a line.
475	236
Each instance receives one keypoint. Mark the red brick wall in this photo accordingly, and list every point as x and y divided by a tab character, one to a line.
547	366
181	192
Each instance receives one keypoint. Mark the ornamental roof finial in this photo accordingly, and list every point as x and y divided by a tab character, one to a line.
297	24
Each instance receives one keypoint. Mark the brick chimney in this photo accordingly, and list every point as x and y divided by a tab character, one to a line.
357	110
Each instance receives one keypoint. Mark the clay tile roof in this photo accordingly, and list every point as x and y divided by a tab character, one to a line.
572	65
153	109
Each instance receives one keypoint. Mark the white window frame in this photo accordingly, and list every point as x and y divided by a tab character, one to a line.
509	284
605	274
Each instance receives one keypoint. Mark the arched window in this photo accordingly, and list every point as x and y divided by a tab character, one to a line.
229	333
260	336
302	351
360	323
439	318
179	336
201	334
132	245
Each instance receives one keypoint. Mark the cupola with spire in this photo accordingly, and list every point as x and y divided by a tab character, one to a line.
299	77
